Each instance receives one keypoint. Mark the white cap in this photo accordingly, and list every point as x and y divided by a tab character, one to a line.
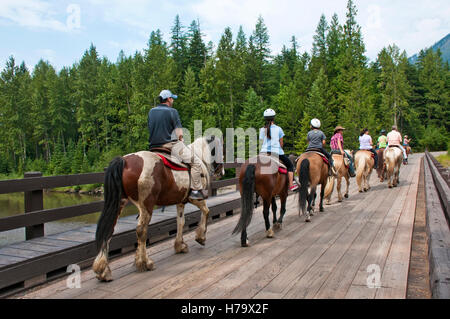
165	94
315	123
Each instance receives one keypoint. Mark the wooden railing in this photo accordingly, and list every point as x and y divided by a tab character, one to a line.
33	185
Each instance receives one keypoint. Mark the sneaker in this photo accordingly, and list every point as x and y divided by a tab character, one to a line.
293	187
405	161
197	195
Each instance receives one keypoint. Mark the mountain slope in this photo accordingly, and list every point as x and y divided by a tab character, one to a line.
443	45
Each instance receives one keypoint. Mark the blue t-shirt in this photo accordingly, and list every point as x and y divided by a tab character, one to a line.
272	145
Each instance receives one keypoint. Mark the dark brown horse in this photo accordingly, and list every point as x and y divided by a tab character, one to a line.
260	175
381	169
143	179
312	171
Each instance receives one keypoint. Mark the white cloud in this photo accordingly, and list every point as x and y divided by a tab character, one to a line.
31	13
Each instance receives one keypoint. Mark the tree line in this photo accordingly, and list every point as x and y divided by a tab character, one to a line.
76	120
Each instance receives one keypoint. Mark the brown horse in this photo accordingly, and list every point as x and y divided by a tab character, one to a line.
393	158
312	171
341	164
260	175
143	179
364	163
381	169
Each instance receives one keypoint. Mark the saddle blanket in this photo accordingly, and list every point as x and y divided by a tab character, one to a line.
274	160
324	158
170	163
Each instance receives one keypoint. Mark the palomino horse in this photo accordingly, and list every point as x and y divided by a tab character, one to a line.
381	169
341	165
143	179
393	158
364	165
261	174
312	171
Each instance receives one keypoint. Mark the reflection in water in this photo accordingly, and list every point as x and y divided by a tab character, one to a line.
13	204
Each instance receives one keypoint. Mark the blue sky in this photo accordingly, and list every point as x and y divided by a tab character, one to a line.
60	31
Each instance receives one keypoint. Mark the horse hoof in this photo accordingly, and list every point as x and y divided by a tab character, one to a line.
365	189
346	195
308	220
245	244
269	233
321	209
181	248
200	240
105	276
142	266
360	191
390	186
277	226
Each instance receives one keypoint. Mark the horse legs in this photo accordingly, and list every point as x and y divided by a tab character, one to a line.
274	210
322	192
347	179
338	188
200	232
266	208
311	203
100	265
141	261
180	246
279	223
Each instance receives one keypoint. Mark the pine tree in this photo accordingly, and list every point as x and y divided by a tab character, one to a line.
394	86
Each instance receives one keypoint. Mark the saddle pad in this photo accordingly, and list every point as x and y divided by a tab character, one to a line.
282	170
172	165
324	158
273	158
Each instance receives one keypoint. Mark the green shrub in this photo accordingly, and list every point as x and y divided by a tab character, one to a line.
435	139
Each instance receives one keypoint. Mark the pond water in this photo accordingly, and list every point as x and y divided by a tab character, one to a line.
13	204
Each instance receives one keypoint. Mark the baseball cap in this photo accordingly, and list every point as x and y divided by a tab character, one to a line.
165	94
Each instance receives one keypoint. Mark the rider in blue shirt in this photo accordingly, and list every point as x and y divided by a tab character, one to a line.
272	137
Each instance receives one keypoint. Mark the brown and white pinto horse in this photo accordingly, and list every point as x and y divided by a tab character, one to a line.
312	171
364	163
260	174
143	179
341	164
393	158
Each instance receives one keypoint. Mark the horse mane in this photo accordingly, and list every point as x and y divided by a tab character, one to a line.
202	149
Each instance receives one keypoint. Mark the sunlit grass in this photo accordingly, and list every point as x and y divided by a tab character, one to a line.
444	159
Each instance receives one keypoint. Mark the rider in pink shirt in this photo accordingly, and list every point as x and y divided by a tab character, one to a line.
394	138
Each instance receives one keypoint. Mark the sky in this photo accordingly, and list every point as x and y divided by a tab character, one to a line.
60	31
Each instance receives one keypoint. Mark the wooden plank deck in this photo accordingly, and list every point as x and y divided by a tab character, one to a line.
36	258
331	257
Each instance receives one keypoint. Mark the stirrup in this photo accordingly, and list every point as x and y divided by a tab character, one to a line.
196	195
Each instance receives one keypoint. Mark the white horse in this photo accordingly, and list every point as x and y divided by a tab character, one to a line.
393	157
364	163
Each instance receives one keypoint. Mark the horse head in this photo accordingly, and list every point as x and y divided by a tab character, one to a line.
210	150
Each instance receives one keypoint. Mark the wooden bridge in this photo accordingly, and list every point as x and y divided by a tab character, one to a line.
386	243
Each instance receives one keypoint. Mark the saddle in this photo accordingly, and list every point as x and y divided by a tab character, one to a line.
371	154
282	169
324	158
344	158
169	161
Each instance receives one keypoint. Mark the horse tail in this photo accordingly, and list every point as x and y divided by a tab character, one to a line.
248	188
329	187
304	180
113	191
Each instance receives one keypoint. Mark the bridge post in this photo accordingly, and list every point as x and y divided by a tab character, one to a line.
34	200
